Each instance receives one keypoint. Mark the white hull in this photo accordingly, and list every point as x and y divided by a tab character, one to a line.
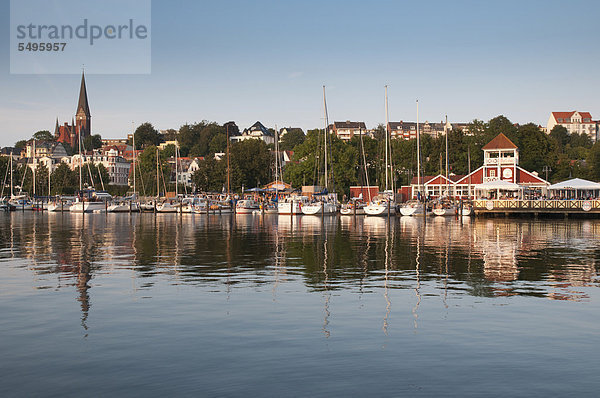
467	211
412	210
166	208
444	212
349	211
316	209
288	208
246	206
380	209
87	207
123	208
57	208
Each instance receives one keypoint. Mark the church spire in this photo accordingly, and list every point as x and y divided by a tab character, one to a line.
82	105
56	129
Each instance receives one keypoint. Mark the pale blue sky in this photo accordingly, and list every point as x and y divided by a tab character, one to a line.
267	60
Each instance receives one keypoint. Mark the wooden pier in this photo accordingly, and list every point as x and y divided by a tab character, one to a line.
514	207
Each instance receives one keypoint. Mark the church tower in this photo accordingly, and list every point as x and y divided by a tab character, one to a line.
83	118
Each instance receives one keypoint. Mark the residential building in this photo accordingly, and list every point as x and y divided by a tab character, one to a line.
574	122
285	130
116	166
346	130
256	131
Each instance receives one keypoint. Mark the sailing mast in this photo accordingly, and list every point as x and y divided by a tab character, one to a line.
447	181
418	153
11	175
325	135
276	161
386	139
33	168
132	127
157	178
80	162
228	180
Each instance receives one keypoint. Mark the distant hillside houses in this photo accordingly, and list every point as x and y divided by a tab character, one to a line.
575	122
346	130
256	131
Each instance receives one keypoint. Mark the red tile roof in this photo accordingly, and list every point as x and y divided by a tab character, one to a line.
567	115
500	142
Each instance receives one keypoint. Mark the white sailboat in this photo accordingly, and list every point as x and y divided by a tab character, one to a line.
416	207
383	205
326	203
444	207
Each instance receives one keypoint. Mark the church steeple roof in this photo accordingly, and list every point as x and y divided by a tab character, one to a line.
56	129
83	100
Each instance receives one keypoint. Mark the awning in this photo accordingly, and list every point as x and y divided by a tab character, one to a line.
498	184
575	184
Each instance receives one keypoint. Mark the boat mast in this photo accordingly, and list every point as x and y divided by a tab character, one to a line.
228	180
80	161
276	160
418	153
157	177
132	128
176	173
33	168
11	175
386	139
469	161
325	134
446	134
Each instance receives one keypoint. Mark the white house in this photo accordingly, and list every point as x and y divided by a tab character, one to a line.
256	131
574	122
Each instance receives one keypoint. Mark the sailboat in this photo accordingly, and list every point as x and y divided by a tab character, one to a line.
385	204
444	207
416	207
356	206
326	203
88	200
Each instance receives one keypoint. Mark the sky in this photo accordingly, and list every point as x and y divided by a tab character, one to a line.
268	60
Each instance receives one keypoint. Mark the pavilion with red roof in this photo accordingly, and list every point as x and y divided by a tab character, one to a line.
500	162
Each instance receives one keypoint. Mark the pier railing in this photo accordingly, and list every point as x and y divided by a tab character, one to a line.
552	205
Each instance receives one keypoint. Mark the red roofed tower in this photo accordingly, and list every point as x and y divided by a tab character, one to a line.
500	159
83	118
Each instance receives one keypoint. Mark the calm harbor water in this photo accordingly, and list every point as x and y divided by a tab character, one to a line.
145	305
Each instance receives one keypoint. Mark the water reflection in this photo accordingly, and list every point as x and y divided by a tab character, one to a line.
447	257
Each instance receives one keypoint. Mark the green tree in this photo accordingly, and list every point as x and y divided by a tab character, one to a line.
211	175
146	135
252	161
43	135
19	146
63	180
93	142
291	139
561	135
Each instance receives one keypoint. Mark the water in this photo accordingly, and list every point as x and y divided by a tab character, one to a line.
144	305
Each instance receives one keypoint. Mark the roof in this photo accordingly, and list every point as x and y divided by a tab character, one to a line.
500	142
349	125
258	126
576	183
83	100
567	115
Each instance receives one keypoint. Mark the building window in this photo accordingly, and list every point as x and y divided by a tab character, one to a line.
492	173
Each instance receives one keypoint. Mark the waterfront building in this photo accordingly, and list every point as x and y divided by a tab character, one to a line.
346	130
500	163
408	130
116	166
574	122
255	132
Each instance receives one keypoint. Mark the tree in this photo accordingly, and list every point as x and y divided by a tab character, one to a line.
146	135
63	180
211	175
561	136
93	142
43	135
251	160
291	139
20	145
536	149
